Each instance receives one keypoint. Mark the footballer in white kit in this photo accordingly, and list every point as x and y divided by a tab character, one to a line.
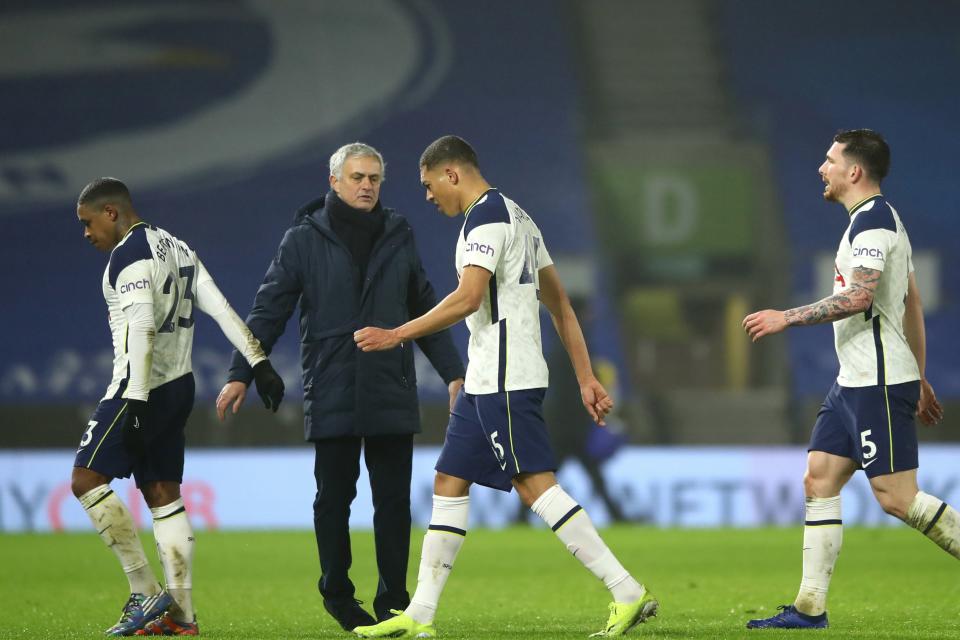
153	284
867	421
496	435
878	384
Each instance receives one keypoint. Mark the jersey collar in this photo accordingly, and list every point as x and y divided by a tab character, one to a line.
479	198
134	226
857	206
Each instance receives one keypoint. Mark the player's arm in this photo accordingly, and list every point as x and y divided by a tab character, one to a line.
141	333
464	300
134	286
552	294
212	302
853	299
438	347
928	408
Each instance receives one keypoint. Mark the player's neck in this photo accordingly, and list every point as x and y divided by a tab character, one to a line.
472	191
126	223
855	197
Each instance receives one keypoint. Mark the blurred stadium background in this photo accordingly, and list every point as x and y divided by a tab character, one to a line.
668	151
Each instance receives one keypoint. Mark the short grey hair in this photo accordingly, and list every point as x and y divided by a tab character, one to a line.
353	150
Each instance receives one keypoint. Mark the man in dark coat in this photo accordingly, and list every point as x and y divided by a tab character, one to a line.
350	263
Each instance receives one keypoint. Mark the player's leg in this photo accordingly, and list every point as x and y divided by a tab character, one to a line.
114	523
175	541
159	475
890	459
336	469
830	464
900	496
465	458
100	458
389	461
825	476
632	603
441	544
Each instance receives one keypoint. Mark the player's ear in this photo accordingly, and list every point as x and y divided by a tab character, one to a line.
111	212
855	173
452	176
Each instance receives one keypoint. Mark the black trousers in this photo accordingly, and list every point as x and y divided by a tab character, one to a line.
389	461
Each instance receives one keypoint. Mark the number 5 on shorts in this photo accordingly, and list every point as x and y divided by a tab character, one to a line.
869	449
496	445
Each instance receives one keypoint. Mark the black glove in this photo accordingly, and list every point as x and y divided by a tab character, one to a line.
269	385
133	427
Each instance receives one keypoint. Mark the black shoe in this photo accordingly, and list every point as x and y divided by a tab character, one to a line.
384	608
387	614
348	613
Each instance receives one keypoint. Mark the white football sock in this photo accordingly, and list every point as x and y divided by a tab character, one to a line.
113	522
575	529
442	542
937	520
174	536
822	538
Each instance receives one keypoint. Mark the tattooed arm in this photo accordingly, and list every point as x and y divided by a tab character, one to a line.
854	299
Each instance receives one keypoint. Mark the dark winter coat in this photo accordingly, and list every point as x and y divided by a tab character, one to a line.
348	391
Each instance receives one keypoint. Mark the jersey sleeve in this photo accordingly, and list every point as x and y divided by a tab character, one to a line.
870	248
486	233
141	333
130	271
543	256
872	235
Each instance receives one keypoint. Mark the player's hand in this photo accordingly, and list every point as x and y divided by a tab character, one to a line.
232	395
596	400
928	408
454	389
374	339
269	385
133	425
764	323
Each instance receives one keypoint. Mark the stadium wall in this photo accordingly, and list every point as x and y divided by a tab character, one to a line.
659	486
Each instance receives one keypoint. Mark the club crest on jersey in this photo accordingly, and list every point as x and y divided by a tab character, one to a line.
128	287
485	249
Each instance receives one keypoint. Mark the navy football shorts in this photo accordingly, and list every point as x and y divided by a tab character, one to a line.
492	437
168	407
874	426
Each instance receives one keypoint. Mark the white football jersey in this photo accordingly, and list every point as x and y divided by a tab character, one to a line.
871	346
149	265
505	352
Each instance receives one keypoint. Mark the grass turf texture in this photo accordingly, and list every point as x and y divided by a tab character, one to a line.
514	583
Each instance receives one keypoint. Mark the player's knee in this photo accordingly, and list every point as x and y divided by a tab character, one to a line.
809	484
160	494
450	486
817	486
892	503
84	480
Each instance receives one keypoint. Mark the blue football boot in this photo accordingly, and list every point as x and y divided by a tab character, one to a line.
138	611
790	618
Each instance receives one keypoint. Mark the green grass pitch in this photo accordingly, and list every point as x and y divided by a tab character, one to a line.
514	583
